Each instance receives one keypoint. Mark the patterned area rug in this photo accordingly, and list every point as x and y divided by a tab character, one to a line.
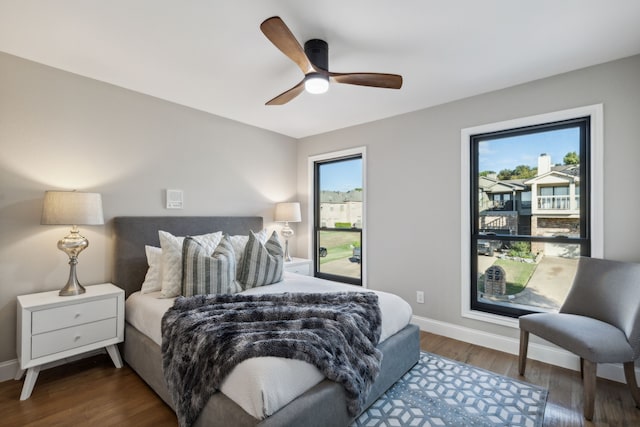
442	392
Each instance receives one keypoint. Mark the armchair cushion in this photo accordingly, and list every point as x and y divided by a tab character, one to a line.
589	338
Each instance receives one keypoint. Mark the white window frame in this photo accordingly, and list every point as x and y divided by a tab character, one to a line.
595	112
362	151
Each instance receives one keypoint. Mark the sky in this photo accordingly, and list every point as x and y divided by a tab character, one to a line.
507	153
341	176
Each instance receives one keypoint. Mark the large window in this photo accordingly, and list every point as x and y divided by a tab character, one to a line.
530	213
339	217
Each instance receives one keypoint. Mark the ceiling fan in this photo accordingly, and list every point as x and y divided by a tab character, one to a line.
313	60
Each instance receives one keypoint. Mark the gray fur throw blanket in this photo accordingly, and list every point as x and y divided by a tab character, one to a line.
205	336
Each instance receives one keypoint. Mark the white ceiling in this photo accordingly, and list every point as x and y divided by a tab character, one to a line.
212	56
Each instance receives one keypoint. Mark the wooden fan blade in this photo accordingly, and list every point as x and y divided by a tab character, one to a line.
280	35
288	95
389	81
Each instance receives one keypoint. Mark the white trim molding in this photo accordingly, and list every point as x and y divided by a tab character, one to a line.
547	353
9	370
595	112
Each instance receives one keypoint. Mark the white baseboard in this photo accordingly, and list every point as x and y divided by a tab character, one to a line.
545	353
10	368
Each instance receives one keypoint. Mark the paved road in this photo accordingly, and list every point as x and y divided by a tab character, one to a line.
343	267
550	283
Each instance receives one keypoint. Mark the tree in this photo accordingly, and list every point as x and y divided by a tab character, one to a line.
505	174
486	173
520	172
571	158
524	172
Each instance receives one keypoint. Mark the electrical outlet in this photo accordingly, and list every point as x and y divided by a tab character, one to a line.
420	297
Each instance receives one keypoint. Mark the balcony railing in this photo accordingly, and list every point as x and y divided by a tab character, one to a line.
558	203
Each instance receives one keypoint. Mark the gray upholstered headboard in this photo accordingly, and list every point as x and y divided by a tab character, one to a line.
132	233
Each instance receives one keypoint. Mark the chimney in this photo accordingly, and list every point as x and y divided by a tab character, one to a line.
544	164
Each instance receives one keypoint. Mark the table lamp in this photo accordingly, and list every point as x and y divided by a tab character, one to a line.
72	208
287	212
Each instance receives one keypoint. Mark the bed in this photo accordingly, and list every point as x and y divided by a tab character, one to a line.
321	405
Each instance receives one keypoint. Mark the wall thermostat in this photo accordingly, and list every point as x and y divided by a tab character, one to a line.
174	199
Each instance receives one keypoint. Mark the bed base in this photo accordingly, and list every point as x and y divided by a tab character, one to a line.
323	405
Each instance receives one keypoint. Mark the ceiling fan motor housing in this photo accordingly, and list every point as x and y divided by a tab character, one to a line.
318	53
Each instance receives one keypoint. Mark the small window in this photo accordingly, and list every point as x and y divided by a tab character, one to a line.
338	192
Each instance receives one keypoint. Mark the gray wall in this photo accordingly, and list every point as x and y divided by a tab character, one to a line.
413	161
62	131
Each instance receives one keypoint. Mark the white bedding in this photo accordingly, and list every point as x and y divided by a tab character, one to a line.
263	385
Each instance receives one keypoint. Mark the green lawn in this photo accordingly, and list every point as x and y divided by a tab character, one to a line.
338	244
337	252
517	273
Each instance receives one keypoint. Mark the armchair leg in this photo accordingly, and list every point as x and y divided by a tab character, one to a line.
589	384
630	376
524	345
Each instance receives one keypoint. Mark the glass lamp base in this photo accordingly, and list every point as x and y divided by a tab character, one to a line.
73	287
72	245
72	290
286	233
287	257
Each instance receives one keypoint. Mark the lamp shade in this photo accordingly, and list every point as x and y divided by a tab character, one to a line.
72	208
288	212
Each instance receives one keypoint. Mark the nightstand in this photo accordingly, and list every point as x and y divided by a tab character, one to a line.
298	265
51	328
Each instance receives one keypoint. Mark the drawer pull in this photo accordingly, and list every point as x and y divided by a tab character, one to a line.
76	338
77	315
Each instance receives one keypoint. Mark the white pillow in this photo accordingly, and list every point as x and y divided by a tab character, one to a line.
153	279
172	258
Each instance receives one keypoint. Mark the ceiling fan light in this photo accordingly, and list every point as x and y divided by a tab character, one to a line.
316	83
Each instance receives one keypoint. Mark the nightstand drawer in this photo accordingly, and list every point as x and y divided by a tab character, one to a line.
74	314
299	269
298	266
76	336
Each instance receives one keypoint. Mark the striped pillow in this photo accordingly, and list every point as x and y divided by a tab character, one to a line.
203	274
262	263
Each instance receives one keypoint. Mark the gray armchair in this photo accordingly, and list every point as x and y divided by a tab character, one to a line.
599	321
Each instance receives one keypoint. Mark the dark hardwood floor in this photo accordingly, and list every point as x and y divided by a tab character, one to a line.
91	392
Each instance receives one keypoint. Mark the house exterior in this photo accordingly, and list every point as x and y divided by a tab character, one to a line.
341	207
502	206
545	205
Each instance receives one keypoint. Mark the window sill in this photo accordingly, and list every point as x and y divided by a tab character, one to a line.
491	318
